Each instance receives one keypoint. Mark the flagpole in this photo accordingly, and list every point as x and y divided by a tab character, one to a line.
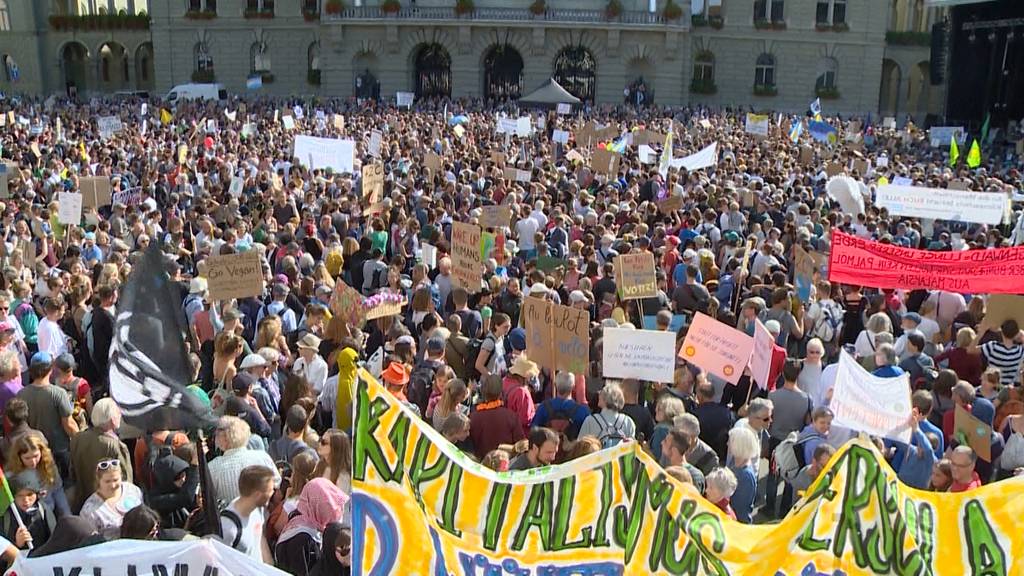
21	524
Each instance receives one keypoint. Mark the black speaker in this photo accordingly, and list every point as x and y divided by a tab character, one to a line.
937	60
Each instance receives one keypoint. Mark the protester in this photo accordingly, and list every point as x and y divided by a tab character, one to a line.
298	549
242	522
113	498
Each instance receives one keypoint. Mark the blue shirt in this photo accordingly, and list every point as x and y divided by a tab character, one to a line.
742	500
901	448
916	468
576	411
888	371
92	253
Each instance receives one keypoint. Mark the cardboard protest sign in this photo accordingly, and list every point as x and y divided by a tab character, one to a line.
498	158
6	172
861	262
509	174
834	169
432	162
1002	307
671	204
69	208
339	122
977	434
806	155
466	266
347	304
803	272
761	355
861	166
642	354
942	203
637	277
457	509
373	182
234	275
605	162
871	404
495	216
385	309
720	349
571	328
96	191
539	336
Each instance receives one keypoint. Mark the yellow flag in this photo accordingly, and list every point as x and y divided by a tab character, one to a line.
954	152
85	155
974	156
165	116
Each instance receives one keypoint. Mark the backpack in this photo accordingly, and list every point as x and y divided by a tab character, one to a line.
421	385
830	324
558	420
1014	405
237	521
473	352
789	454
610	434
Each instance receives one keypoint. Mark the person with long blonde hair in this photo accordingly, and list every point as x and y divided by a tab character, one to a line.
335	464
30	452
270	334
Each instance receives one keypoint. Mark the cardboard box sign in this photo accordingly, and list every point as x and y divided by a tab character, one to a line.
833	169
605	162
495	216
432	162
806	155
234	276
373	182
96	191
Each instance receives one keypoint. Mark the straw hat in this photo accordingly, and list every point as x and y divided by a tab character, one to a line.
524	367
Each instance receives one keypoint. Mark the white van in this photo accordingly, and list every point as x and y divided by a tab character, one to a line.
196	92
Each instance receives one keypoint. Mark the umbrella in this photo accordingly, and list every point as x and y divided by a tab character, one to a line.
460	119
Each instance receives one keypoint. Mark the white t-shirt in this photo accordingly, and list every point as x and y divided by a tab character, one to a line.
252	531
525	229
51	338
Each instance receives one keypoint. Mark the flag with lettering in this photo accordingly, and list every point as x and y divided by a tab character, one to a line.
149	364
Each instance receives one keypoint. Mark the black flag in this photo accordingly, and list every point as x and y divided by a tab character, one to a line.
149	365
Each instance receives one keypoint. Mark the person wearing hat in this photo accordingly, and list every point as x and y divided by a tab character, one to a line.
311	365
421	380
257	366
37	519
247	407
396	377
195	302
50	410
518	397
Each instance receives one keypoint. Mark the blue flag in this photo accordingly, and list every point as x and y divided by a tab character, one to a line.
816	108
795	130
254	82
822	131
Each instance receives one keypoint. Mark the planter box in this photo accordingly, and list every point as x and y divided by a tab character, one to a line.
258	14
769	25
201	15
311	16
827	93
765	90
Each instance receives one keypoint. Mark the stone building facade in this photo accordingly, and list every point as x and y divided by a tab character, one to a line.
768	54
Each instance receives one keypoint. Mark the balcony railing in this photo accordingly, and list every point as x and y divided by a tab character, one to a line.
504	14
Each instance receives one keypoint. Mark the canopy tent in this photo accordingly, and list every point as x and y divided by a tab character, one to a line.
550	93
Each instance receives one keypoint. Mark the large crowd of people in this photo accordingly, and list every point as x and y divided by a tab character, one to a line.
279	370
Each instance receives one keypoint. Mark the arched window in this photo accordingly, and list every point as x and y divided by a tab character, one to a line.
259	62
433	71
576	71
5	17
764	72
826	75
503	73
704	67
203	60
11	72
313	63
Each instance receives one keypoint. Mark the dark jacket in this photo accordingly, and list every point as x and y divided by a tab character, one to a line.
102	328
173	503
297	555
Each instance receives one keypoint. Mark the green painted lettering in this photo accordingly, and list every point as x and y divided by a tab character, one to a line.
419	472
496	507
628	518
399	438
364	445
537	514
862	465
984	554
808	542
451	502
600	537
563	511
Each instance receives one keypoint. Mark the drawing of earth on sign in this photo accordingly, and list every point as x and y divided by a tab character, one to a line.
811	570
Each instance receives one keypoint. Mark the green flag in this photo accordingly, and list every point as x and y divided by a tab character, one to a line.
6	498
984	128
954	152
974	156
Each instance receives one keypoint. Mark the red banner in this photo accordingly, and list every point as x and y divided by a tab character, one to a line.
866	263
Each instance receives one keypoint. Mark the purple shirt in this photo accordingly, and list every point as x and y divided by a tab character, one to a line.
8	390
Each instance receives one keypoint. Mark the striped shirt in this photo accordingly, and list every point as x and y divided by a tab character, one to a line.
1006	359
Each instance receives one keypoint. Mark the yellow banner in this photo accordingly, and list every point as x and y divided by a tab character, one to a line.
421	507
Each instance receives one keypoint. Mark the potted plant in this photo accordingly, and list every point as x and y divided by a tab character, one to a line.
765	90
390	6
613	9
672	11
334	7
464	7
538	7
697	20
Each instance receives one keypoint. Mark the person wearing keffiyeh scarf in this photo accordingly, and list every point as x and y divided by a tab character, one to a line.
298	549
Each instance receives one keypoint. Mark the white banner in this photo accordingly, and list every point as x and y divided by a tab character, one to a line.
703	159
523	127
757	124
333	153
942	203
871	404
761	358
561	136
146	558
939	136
69	208
108	126
648	355
376	138
404	99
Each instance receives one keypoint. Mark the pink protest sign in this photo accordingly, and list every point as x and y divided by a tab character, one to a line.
720	349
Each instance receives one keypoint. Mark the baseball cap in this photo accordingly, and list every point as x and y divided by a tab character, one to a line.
913	317
517	338
6	326
233	314
243	382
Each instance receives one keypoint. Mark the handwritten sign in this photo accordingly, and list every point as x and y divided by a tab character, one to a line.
563	108
321	153
432	162
495	216
648	355
871	404
720	349
373	182
96	191
761	355
605	162
347	304
69	208
466	266
404	99
637	277
234	275
557	337
977	433
108	126
942	203
235	190
385	310
376	138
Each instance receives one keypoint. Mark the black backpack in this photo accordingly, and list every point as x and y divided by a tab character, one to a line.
558	420
472	352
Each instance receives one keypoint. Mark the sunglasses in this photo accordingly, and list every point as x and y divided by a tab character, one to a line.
108	464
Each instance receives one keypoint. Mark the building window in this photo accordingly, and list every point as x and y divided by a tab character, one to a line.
576	70
11	71
830	12
764	72
704	67
204	62
313	63
5	17
259	61
826	81
769	10
263	6
310	6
